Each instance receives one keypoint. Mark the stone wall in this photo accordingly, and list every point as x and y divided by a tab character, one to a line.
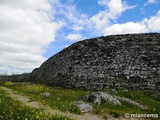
16	78
130	61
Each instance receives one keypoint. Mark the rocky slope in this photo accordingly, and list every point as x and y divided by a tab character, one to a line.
129	61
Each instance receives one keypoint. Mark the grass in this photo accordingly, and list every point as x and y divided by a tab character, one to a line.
14	110
63	99
152	103
60	99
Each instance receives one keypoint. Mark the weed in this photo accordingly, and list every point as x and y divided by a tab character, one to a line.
14	110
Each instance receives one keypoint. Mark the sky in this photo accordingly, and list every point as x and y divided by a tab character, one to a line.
31	31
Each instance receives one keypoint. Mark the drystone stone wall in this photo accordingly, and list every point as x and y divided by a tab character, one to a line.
128	61
16	78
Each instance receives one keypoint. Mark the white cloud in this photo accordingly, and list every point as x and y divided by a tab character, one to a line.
105	21
74	19
74	37
116	7
103	2
129	27
151	1
113	9
146	25
153	23
100	20
77	28
27	27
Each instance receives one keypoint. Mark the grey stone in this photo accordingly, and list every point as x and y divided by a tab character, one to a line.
95	98
126	72
98	97
46	94
101	76
84	107
131	102
158	72
154	69
108	98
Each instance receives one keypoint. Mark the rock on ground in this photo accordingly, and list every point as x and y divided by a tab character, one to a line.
84	107
99	97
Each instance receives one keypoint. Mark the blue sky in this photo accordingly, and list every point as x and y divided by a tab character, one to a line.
138	11
32	31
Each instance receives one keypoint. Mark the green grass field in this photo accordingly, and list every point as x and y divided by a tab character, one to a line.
62	99
14	110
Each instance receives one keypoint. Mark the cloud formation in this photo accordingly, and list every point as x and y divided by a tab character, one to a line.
153	22
151	1
129	27
146	25
27	27
74	37
113	9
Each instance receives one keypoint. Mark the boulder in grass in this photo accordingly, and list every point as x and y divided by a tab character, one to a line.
84	107
131	102
107	98
98	97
